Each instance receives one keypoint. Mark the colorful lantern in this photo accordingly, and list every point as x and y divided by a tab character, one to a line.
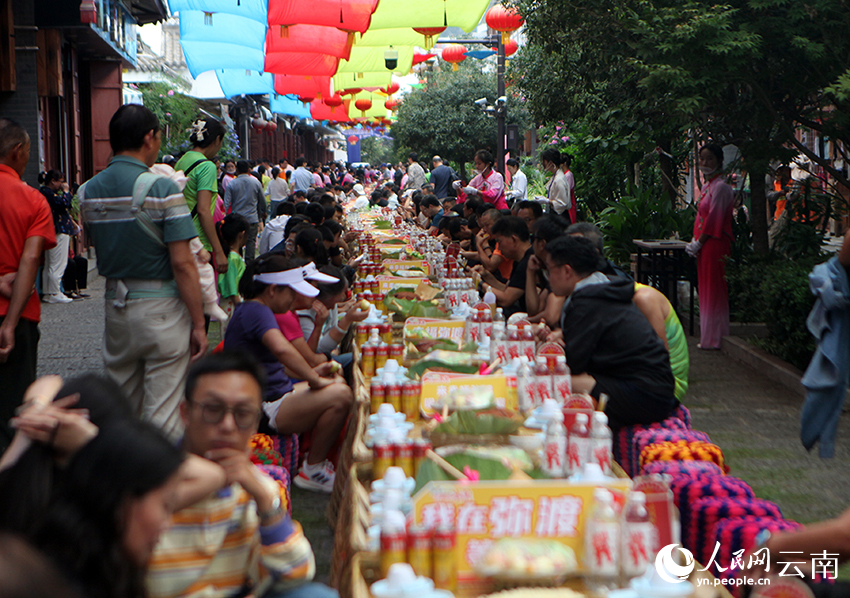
88	12
353	139
511	47
454	54
333	101
504	19
430	33
391	104
305	100
350	91
363	105
271	126
258	123
391	89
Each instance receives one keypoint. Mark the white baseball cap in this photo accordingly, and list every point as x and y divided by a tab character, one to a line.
293	279
311	272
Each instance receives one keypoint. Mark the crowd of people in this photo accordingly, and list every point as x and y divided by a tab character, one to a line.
139	483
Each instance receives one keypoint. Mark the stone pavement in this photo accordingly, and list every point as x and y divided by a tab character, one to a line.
754	420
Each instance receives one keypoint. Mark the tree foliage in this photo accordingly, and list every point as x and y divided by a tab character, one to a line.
176	113
442	119
747	72
376	150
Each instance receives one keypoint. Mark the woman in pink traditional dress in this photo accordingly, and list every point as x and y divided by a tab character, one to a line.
711	245
487	184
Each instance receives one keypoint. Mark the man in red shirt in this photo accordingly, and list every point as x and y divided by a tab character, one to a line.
26	230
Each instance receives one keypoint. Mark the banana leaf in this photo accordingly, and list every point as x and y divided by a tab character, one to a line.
445	361
383	224
409	308
393	241
487	468
473	422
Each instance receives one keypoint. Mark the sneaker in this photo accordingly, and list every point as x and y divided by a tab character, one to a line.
320	479
57	298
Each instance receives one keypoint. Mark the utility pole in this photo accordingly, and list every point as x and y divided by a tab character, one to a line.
500	108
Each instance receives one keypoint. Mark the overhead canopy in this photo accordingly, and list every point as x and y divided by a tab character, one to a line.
289	106
312	49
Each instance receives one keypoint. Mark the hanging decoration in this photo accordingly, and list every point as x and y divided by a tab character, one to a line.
363	105
511	47
333	101
454	54
391	104
430	33
504	19
353	139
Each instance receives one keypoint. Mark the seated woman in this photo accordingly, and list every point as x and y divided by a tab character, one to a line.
270	286
321	325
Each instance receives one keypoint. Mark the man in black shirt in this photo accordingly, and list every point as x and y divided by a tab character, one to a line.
610	346
441	177
511	233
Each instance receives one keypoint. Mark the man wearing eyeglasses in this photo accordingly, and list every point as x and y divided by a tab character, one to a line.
239	540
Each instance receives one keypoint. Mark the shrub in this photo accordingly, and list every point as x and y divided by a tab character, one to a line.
775	290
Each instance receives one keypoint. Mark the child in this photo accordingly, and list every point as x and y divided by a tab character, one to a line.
232	231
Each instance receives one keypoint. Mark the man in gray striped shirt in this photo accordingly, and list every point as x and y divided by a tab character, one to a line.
154	312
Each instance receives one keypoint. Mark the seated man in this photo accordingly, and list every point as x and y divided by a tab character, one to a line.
653	304
239	540
430	206
511	234
610	346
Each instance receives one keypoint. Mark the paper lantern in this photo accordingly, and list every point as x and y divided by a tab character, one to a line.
353	139
88	12
454	54
271	126
363	105
430	33
511	47
350	91
305	100
333	101
391	104
391	89
258	123
504	20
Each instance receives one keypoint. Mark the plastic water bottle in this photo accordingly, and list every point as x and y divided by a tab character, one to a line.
500	313
498	343
562	382
579	444
602	544
542	381
601	442
525	386
529	345
555	440
638	537
514	342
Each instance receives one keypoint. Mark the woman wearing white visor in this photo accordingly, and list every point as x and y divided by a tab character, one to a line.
271	285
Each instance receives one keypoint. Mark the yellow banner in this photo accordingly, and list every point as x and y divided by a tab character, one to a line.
434	327
437	385
407	265
486	511
388	283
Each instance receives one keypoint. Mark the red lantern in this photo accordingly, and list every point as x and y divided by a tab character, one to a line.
271	126
333	101
350	91
430	33
305	100
391	89
258	123
504	19
391	104
88	12
353	139
454	54
363	105
511	47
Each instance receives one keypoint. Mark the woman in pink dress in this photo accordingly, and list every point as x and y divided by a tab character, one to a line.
711	245
487	184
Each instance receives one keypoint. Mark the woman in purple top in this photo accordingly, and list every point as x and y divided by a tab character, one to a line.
273	285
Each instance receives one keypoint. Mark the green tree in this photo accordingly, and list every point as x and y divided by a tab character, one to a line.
747	72
176	113
376	150
442	119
